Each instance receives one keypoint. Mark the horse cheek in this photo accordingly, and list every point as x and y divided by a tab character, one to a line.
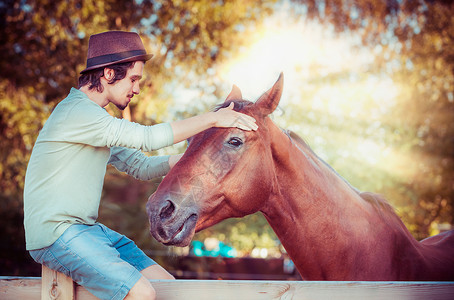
253	187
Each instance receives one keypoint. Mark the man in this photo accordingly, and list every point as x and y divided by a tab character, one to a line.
65	174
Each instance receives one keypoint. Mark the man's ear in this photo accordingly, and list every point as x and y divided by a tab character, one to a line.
109	74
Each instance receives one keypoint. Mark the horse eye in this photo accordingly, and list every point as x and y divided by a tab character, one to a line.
235	142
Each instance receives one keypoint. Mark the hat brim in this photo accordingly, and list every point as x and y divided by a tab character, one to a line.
144	57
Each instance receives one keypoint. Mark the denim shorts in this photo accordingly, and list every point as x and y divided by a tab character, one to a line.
105	262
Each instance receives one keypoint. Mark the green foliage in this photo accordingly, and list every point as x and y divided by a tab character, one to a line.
47	40
21	117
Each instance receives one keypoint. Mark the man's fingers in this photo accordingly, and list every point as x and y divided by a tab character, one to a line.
247	121
245	125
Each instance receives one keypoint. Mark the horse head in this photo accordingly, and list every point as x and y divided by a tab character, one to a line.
224	173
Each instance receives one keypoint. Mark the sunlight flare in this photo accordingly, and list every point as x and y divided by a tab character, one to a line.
327	80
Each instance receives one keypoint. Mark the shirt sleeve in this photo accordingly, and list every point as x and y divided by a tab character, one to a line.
87	123
137	164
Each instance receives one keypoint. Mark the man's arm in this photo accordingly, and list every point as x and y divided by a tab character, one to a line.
135	163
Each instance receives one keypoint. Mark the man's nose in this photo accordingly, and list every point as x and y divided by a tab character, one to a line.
136	89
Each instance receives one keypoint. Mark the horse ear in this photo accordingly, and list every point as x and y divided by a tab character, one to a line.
235	94
268	102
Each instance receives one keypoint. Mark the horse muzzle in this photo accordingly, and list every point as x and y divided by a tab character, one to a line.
171	224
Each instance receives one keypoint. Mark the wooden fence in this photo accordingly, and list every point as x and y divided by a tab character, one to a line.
57	286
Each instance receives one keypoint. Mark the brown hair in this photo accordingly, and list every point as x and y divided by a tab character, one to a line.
93	78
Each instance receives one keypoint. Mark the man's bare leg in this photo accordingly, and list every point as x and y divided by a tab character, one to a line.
143	288
156	272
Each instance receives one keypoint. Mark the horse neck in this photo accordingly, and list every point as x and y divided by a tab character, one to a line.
319	217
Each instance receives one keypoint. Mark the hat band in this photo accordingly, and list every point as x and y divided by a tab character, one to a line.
110	58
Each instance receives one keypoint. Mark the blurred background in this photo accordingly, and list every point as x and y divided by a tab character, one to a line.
369	84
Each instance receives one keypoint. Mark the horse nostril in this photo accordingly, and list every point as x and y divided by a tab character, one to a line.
167	210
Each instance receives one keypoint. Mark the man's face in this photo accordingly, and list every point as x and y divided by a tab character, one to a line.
121	92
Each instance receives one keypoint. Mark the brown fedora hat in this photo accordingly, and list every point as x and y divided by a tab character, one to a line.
113	47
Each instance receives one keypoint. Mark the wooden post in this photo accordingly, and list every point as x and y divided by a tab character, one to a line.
56	286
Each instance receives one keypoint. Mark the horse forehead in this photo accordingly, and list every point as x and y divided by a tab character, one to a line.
212	139
249	110
203	142
207	136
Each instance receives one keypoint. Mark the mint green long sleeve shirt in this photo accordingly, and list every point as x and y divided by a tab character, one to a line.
65	174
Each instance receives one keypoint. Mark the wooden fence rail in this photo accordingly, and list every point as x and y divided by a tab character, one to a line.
57	286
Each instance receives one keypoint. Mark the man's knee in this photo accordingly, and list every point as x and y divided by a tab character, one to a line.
142	290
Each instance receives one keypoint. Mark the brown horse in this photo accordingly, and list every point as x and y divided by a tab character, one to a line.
330	230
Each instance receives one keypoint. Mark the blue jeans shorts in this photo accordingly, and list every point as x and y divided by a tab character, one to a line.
105	262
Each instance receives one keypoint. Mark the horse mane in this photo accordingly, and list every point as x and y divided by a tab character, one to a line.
239	104
376	200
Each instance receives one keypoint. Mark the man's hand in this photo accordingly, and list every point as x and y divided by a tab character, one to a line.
227	117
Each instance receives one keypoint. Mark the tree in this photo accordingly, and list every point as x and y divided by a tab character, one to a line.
415	42
44	45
